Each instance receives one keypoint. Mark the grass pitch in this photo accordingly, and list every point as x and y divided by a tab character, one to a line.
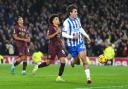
104	77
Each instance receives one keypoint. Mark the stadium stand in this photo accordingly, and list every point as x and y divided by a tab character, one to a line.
106	21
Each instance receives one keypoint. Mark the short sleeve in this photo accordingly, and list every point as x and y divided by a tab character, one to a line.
65	26
50	30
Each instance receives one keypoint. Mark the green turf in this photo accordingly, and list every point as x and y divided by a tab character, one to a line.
103	78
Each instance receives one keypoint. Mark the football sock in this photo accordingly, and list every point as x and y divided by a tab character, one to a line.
1	61
24	65
43	64
61	69
16	63
87	72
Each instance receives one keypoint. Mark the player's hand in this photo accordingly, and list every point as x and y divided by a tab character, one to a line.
26	40
75	36
88	40
58	31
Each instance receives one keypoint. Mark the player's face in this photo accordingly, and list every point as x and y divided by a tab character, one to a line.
56	21
74	13
20	20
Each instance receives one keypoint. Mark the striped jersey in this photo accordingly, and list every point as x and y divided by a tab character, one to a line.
72	27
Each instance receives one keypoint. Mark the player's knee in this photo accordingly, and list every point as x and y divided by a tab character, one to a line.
48	63
85	64
82	54
23	57
62	60
83	57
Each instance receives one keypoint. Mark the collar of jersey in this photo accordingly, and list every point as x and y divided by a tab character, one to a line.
71	18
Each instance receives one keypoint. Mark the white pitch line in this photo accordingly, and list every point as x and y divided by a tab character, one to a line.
56	75
107	87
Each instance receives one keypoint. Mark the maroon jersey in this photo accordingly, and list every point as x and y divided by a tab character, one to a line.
55	40
55	47
21	32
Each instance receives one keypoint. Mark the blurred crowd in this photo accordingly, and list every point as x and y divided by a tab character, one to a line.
106	21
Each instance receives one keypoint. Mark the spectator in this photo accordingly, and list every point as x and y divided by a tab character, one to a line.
103	17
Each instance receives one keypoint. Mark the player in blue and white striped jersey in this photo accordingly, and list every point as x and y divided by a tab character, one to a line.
74	33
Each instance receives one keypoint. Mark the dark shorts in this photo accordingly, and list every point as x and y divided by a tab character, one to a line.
22	49
54	51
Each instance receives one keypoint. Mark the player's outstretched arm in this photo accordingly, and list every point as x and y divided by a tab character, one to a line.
85	34
65	35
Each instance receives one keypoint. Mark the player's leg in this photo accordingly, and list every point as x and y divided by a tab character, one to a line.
51	56
74	61
40	65
17	62
74	54
61	69
61	56
24	52
24	59
1	61
44	64
18	59
82	55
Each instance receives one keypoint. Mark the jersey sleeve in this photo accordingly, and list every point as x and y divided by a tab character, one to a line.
27	34
65	27
50	31
15	30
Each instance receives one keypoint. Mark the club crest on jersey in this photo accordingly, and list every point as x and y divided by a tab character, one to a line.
49	56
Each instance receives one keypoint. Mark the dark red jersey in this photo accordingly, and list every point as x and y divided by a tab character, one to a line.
21	32
55	47
55	40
